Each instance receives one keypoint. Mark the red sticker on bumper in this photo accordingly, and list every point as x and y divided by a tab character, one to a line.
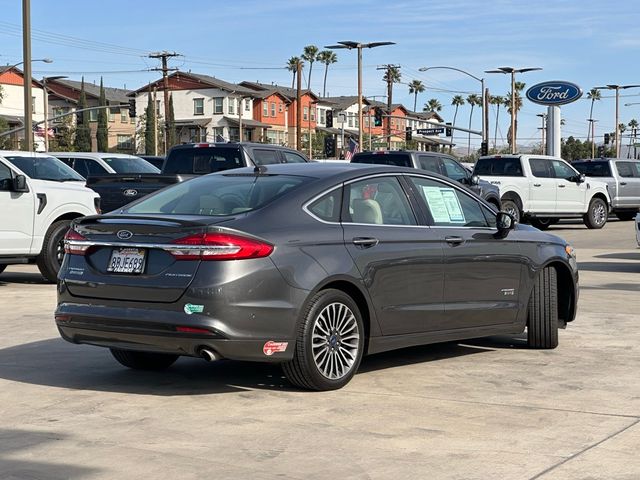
272	347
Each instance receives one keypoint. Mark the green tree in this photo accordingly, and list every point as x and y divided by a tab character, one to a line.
433	105
574	149
416	87
82	142
633	125
65	133
102	133
517	100
327	57
498	101
150	127
457	101
310	54
393	73
5	140
172	135
593	95
292	66
472	100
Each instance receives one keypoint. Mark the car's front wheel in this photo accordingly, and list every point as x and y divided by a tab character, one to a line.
50	258
143	360
597	215
542	326
512	209
541	223
330	343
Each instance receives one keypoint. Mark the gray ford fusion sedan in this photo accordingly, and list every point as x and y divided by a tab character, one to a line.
309	265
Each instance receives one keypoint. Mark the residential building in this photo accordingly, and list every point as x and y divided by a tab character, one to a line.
12	105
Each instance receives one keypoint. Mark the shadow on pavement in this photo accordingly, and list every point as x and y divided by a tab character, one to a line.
629	287
617	267
21	441
26	278
622	256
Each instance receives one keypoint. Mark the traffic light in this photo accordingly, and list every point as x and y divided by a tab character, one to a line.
484	149
329	120
329	146
408	134
132	108
601	151
79	118
448	130
606	139
377	117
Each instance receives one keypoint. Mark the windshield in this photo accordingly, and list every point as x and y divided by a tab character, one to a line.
130	165
45	168
593	169
218	195
397	159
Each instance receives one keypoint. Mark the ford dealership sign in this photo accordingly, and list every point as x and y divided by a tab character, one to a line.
554	93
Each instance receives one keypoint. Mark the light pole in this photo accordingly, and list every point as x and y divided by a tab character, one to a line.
485	126
350	45
513	72
543	117
46	108
592	129
617	88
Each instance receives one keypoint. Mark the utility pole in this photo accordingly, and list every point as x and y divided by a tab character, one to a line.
389	81
155	122
164	55
26	59
299	107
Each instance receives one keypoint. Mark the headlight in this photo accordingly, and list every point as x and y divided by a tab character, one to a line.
570	251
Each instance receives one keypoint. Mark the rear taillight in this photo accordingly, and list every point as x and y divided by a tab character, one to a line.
96	204
219	246
74	243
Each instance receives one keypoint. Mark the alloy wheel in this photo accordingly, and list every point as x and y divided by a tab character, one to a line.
599	214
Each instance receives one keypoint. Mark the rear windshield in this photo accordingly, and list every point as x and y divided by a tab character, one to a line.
45	168
593	169
219	195
202	160
397	159
499	167
130	165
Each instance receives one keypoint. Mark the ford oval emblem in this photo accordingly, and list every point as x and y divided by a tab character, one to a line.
124	234
130	192
554	93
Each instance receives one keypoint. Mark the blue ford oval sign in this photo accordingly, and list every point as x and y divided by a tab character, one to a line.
554	93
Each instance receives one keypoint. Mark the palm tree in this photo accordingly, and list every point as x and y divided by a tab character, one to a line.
432	105
292	66
415	87
392	75
519	86
456	101
472	100
310	54
593	95
327	57
498	101
633	125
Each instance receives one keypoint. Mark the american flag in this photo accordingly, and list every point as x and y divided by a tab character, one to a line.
353	149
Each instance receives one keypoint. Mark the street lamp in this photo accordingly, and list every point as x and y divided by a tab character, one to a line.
543	117
617	88
513	72
592	123
485	126
350	45
46	107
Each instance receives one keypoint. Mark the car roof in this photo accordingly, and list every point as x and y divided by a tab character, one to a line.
232	144
22	153
93	154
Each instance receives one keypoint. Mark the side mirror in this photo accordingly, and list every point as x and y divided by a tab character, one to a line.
20	184
475	180
504	222
581	178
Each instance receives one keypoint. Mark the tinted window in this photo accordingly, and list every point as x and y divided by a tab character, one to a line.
454	170
593	169
130	165
499	167
398	159
265	157
44	168
291	157
541	168
5	177
87	167
431	164
449	207
562	170
327	207
379	201
203	160
626	169
218	195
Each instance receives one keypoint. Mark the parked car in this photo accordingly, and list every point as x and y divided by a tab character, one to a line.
39	196
311	266
154	160
543	189
433	162
94	163
188	161
623	182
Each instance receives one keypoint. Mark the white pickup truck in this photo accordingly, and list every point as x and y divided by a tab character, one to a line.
543	189
39	196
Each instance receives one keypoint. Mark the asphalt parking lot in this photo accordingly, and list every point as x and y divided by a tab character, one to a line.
482	409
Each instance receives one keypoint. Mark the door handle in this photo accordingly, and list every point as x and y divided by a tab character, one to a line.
537	184
455	240
561	186
623	183
365	242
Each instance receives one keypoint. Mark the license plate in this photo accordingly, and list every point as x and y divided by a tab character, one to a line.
126	260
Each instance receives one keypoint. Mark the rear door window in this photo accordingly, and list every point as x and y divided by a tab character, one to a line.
202	160
291	157
593	169
541	168
499	167
86	167
429	163
625	169
263	156
454	170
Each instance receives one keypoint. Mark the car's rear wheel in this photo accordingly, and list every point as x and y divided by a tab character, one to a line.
512	209
143	360
596	216
541	223
50	258
329	345
626	216
542	326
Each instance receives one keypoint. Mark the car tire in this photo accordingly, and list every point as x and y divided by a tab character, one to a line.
329	344
596	216
2	267
541	223
50	258
626	216
542	324
143	360
512	208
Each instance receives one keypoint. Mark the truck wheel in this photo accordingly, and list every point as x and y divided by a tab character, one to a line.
541	223
2	267
330	343
597	215
626	216
511	208
542	326
143	360
50	258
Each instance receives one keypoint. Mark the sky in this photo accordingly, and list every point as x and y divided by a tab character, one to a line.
590	43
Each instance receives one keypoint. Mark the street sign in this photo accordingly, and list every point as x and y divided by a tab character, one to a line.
379	144
342	117
430	131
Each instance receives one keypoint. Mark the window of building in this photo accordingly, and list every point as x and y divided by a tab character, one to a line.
57	111
112	114
234	134
305	114
124	142
366	121
273	109
231	107
280	107
265	108
33	104
198	106
93	115
217	132
356	120
313	114
272	136
158	107
124	116
247	104
217	105
322	114
350	120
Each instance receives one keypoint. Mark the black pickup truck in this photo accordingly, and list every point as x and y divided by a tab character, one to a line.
185	162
